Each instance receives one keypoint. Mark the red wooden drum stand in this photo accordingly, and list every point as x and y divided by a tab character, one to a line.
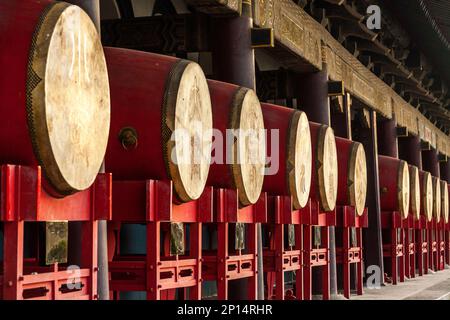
315	256
224	264
279	258
393	246
422	245
447	234
23	199
447	243
351	252
433	245
158	272
441	244
410	246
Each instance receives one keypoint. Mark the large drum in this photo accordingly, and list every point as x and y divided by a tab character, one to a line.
414	200
437	199
239	162
394	185
54	92
291	153
161	122
444	200
426	191
352	168
324	182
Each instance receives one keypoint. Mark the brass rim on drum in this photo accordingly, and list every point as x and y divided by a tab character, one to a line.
327	168
67	98
415	191
357	178
246	119
436	199
403	189
187	129
427	192
299	159
444	200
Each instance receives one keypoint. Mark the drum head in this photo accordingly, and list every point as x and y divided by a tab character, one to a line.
68	102
403	189
188	118
249	149
357	177
327	168
299	158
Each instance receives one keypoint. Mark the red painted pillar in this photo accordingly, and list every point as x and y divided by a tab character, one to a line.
387	138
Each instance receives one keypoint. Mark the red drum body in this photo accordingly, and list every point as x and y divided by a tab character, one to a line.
394	185
291	153
352	168
153	96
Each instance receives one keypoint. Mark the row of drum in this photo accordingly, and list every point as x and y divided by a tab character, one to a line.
72	105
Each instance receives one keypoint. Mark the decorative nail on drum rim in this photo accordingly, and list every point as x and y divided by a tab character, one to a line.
357	178
187	125
415	191
403	188
444	200
436	199
427	195
249	151
327	168
299	159
67	98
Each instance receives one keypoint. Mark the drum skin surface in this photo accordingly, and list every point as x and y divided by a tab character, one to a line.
444	200
415	191
426	192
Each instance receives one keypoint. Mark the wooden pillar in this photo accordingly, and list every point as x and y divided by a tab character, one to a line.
387	138
312	98
409	150
430	162
444	170
233	61
373	244
342	121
